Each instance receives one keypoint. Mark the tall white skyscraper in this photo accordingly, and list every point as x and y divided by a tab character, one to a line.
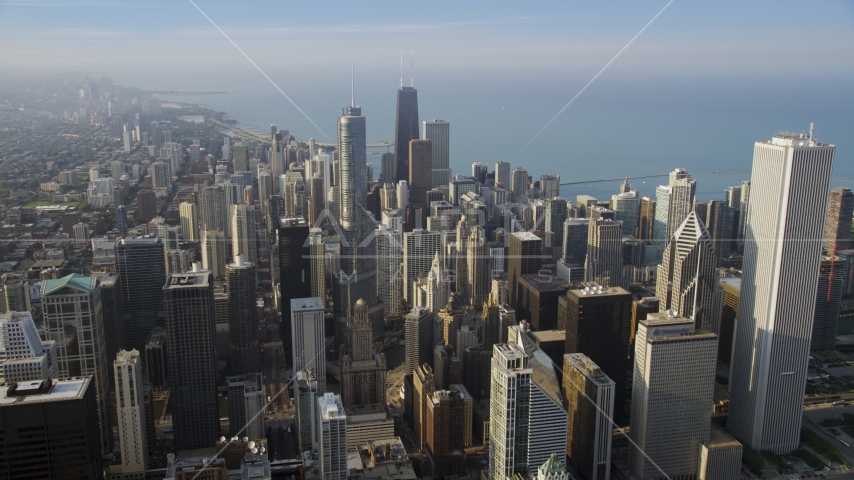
478	271
419	248
626	206
438	132
243	236
510	403
549	186
333	437
673	203
309	340
26	356
674	381
245	405
389	269
130	409
604	263
782	254
214	209
687	281
160	177
502	175
189	221
214	252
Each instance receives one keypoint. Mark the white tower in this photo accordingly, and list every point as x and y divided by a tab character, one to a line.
333	437
130	409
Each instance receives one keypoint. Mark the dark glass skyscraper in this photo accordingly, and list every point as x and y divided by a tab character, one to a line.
142	271
406	129
243	317
295	271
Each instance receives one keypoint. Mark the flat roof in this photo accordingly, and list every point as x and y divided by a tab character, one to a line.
545	284
306	304
734	282
187	280
60	390
524	236
719	438
548	336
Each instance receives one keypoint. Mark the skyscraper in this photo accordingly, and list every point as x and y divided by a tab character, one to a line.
448	424
555	215
782	256
363	372
840	208
189	221
16	293
214	211
243	234
389	269
73	319
626	207
146	205
478	270
673	202
550	186
333	437
246	402
188	298
510	404
830	279
590	408
604	262
242	289
687	281
405	129
309	340
670	406
27	357
305	404
130	408
420	171
418	332
519	183
438	132
502	175
525	257
295	259
419	248
214	252
141	267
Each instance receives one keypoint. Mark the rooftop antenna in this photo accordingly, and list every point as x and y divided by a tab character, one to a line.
412	71
401	69
812	125
353	86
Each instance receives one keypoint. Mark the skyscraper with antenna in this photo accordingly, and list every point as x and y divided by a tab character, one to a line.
406	124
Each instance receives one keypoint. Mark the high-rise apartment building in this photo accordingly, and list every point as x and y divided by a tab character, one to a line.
525	256
16	293
130	414
389	269
687	281
295	259
837	231
146	205
332	429
214	252
308	337
188	298
626	207
242	287
598	323
447	367
27	356
244	241
363	372
519	184
590	409
189	221
604	261
510	407
502	175
419	248
246	402
550	186
438	132
305	404
829	295
420	171
670	405
214	211
782	260
418	332
50	430
478	272
448	425
405	129
141	266
73	319
424	384
646	219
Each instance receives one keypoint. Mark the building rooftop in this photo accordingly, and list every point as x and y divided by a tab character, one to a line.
49	390
545	283
590	289
187	280
545	336
719	438
525	236
306	304
588	368
291	222
76	281
734	282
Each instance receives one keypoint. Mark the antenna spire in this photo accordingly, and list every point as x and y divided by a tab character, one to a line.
412	71
812	125
401	69
353	86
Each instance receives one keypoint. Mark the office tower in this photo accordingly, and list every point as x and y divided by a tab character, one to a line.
241	158
450	317
50	430
244	241
387	173
189	221
308	338
214	211
720	456
332	427
598	323
294	257
423	386
26	356
16	293
590	407
840	208
719	220
525	257
363	372
265	187
73	319
519	184
112	310
537	300
687	281
829	294
438	132
246	402
420	172
317	205
419	248
402	195
731	287
502	175
117	169
555	216
160	177
418	332
157	365
242	287
604	262
389	273
294	192
478	271
788	203
81	233
510	405
130	413
146	205
576	231
141	266
670	406
305	404
646	219
673	202
448	424
550	186
214	252
405	129
479	171
447	367
192	358
626	207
